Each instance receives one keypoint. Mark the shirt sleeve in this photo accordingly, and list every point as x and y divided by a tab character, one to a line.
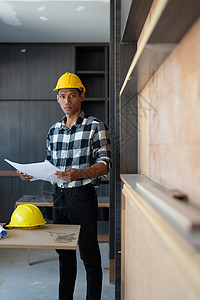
101	145
48	148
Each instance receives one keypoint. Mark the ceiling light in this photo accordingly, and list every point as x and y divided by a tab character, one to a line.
41	8
80	8
43	18
8	14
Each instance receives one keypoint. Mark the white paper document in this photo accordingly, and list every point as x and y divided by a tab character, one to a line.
40	171
3	232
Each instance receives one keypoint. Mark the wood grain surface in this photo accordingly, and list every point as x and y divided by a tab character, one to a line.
48	236
169	127
157	263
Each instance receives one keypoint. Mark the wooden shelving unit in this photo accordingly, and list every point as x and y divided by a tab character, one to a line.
150	32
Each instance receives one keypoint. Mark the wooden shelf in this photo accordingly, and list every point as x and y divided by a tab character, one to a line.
133	16
157	40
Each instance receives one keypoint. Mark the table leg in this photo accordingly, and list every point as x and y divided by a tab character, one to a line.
29	256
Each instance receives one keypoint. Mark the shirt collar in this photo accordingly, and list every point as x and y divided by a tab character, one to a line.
78	122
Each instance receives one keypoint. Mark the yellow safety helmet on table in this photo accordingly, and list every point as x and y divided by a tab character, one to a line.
26	215
69	81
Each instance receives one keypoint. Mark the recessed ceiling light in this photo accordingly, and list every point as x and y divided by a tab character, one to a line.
43	18
41	8
80	8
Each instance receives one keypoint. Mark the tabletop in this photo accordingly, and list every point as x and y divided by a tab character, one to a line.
48	236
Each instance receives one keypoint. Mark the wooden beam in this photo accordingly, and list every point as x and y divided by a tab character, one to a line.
182	213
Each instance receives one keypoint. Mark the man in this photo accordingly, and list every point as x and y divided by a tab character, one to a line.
79	146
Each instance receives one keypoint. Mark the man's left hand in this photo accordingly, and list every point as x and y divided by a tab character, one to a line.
69	175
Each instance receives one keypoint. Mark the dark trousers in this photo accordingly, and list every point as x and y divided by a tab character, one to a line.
79	206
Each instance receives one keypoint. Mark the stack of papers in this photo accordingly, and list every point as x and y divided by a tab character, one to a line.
40	171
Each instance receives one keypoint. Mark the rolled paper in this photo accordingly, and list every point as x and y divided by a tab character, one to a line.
3	232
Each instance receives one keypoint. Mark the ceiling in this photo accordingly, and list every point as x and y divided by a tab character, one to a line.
61	21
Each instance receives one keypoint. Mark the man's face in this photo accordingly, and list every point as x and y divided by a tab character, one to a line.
70	101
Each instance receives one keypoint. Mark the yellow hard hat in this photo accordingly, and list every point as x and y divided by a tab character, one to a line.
26	215
69	81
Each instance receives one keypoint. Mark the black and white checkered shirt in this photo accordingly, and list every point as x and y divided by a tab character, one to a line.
87	142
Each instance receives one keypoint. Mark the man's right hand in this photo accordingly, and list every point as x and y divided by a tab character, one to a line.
24	176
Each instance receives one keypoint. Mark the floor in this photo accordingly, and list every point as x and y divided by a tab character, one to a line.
39	281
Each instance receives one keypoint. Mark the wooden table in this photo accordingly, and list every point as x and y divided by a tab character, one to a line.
48	236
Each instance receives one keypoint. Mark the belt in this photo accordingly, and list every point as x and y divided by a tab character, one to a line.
86	186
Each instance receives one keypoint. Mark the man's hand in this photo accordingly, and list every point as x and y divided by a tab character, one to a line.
72	174
69	175
24	176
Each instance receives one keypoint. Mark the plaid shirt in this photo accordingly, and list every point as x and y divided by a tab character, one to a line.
87	142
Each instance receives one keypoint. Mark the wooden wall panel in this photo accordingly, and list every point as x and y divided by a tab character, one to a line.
31	71
23	139
169	127
25	126
11	189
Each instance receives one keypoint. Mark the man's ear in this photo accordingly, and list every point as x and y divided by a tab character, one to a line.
82	96
57	98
